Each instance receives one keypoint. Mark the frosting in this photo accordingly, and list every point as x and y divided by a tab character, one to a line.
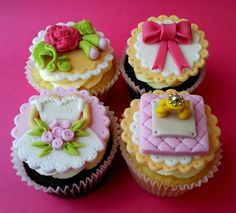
150	144
165	51
74	144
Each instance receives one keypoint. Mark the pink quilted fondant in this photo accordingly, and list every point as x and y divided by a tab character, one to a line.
150	144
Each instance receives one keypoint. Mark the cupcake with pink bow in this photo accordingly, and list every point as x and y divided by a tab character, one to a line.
71	54
164	52
65	141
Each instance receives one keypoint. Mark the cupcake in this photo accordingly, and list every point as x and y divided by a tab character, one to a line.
64	142
71	55
164	53
170	142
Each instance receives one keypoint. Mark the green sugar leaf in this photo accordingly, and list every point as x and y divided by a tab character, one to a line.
45	151
81	133
40	144
69	148
41	124
76	144
77	124
36	132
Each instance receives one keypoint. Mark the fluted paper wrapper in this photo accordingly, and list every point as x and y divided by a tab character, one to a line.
135	91
29	69
162	190
82	187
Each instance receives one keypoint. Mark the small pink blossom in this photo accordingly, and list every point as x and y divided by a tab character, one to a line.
57	132
57	143
65	124
47	136
52	123
67	134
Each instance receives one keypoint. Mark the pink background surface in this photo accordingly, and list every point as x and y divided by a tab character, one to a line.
20	22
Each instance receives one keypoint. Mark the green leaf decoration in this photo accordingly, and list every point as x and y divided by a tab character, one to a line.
46	57
36	132
41	124
81	133
77	124
45	151
84	27
40	144
70	149
76	144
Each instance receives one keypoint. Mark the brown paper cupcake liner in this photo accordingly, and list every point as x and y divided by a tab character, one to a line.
82	187
138	91
29	69
160	189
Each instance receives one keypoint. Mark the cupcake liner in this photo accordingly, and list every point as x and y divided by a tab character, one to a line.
80	188
29	69
135	91
160	189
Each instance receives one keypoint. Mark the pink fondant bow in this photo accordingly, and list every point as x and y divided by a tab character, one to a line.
169	35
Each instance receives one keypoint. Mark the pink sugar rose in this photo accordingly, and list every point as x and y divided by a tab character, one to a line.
57	132
52	123
57	143
62	38
65	124
67	134
47	136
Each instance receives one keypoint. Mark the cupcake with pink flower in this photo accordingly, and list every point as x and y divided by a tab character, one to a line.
71	55
64	142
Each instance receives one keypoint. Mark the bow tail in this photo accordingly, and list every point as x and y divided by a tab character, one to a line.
161	55
177	55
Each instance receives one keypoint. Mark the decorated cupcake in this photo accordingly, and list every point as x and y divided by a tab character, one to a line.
64	142
71	55
164	53
170	142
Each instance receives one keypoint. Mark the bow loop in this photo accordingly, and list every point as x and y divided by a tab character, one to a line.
169	35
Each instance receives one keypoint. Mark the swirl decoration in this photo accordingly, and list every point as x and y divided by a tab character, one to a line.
46	57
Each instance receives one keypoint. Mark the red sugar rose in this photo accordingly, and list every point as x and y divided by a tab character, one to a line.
62	38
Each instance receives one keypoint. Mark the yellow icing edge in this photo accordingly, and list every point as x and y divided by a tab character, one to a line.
158	77
105	77
144	159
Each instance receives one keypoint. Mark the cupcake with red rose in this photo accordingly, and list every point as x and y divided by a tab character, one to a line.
65	140
71	55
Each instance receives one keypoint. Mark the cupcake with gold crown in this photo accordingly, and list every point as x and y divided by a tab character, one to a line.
71	54
170	142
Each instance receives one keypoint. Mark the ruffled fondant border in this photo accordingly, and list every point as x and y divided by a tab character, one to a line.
158	77
133	149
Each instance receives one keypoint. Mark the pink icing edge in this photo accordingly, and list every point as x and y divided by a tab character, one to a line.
97	108
147	147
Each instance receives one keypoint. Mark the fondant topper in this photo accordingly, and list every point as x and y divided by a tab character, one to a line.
169	35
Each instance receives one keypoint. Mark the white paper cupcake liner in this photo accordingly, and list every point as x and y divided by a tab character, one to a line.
138	91
100	93
160	189
82	187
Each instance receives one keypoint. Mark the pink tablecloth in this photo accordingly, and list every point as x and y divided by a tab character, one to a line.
20	22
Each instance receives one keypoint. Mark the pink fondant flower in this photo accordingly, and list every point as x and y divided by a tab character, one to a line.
47	136
65	124
57	132
52	123
67	134
62	38
57	143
